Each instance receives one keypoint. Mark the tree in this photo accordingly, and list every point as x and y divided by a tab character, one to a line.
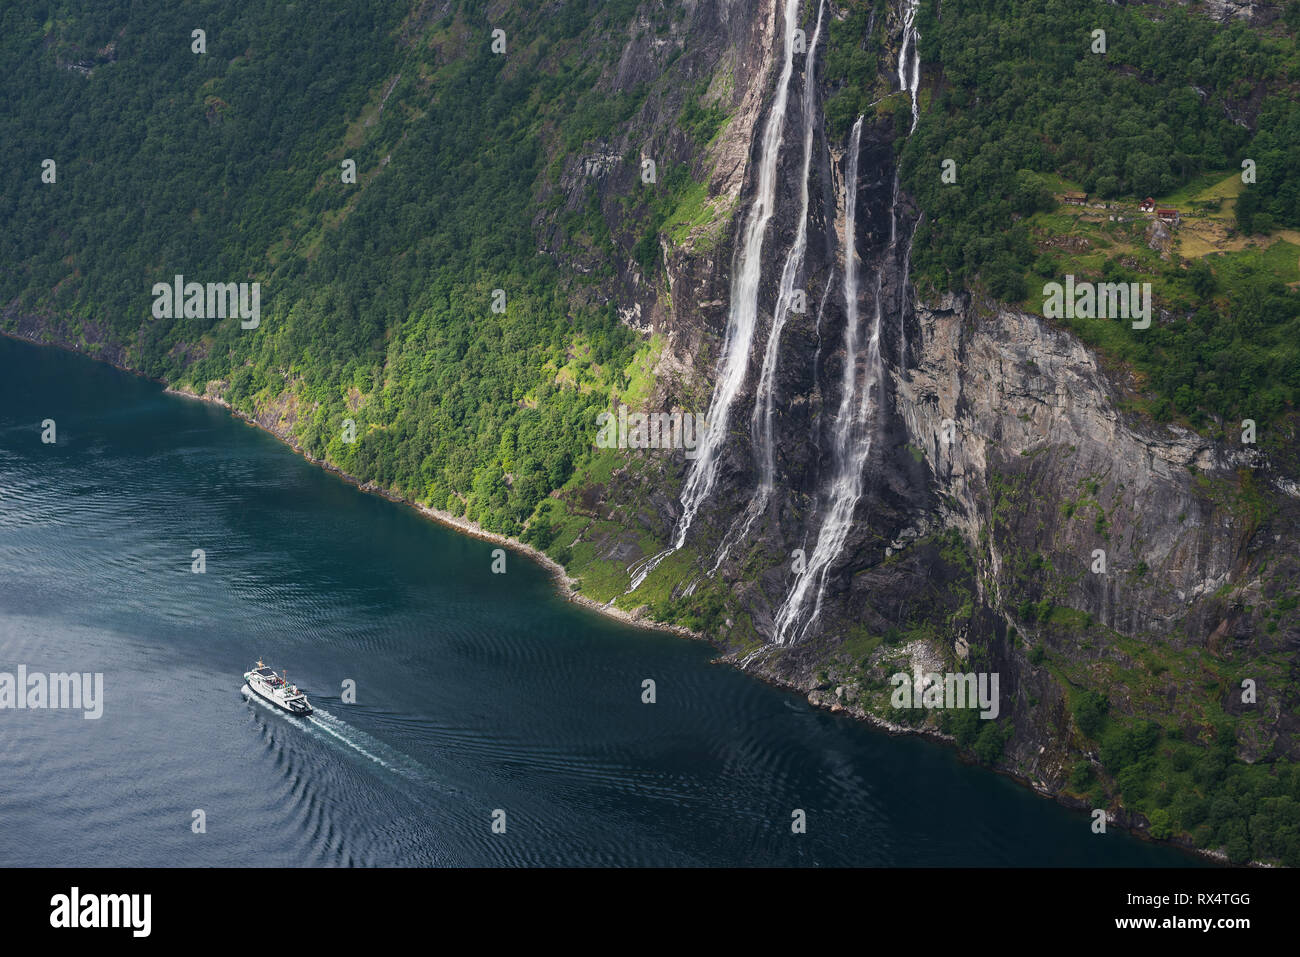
1161	826
992	741
1090	710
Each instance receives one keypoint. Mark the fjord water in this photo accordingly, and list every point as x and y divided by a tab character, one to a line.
474	691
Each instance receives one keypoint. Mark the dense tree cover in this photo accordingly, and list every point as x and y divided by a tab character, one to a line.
1235	356
1022	90
849	60
1020	98
1276	151
1199	788
376	297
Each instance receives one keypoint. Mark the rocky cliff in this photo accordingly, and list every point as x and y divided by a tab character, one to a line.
1006	511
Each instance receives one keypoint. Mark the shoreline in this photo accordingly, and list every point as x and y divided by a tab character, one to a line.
559	575
563	584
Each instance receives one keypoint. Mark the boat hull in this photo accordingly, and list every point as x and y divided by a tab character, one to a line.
256	688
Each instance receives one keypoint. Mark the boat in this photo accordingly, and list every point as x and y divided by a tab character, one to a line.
276	690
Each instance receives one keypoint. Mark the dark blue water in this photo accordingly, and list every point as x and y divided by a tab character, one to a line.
475	691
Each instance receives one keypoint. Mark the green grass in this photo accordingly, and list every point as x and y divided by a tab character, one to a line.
640	372
860	645
694	209
1208	185
656	590
1280	259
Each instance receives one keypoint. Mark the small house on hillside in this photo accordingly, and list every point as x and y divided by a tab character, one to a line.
1169	216
1075	198
1147	205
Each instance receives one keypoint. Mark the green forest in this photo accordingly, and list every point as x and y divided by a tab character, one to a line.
227	166
377	295
1024	101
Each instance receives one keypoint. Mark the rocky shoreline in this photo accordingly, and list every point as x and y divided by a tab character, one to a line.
564	585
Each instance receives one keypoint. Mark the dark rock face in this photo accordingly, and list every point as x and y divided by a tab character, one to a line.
1184	558
45	329
809	377
989	422
703	43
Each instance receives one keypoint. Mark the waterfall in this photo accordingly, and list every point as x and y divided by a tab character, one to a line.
854	424
761	420
852	435
910	82
821	309
742	314
902	299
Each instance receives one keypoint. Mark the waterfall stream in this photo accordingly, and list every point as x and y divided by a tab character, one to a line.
855	422
761	420
862	388
852	435
742	316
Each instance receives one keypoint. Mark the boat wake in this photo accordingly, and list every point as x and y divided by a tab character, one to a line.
326	727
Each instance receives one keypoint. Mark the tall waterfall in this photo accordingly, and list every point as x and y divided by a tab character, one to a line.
742	316
852	435
855	422
761	420
910	80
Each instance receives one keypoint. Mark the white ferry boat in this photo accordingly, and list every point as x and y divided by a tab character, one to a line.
269	686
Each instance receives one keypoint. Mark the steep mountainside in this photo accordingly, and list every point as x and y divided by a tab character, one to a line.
744	210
